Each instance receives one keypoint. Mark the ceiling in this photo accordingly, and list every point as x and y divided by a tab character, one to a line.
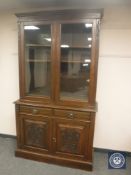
20	4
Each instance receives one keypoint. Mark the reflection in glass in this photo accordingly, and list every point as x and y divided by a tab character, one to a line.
37	59
76	43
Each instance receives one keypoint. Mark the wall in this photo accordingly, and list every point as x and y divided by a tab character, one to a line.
112	130
114	81
9	89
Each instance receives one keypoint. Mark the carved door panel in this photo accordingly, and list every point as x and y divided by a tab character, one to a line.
36	133
71	138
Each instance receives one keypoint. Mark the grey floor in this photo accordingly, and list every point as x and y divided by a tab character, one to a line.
10	165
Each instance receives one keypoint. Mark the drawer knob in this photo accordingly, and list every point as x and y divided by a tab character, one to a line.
54	139
35	111
71	116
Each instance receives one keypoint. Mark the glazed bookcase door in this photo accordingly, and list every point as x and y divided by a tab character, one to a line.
36	61
77	55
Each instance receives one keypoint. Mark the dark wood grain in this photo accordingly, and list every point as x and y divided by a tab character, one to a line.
67	14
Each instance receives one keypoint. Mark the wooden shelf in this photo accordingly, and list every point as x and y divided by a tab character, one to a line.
38	61
71	47
79	62
77	47
37	45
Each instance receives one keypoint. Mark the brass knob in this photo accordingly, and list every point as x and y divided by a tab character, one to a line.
35	111
54	139
71	116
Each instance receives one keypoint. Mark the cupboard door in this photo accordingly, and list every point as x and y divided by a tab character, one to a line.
71	138
75	61
37	46
36	133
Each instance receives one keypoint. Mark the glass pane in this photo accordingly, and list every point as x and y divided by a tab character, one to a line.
38	59
76	43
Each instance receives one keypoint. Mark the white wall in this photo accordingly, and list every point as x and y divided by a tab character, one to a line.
9	89
112	129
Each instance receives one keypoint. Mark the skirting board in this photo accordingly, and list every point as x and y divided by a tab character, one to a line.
102	150
8	136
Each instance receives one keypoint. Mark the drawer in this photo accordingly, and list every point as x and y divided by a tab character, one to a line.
70	114
35	110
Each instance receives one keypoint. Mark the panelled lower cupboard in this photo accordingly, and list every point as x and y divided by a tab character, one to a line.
58	57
